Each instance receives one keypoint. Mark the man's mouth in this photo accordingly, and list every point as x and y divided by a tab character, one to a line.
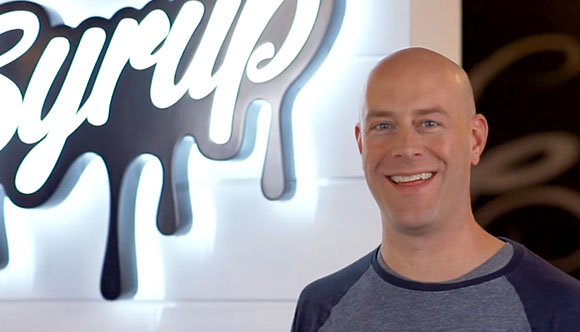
411	178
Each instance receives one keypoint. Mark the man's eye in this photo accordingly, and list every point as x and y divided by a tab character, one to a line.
429	124
383	126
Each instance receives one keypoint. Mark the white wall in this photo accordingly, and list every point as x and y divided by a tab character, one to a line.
246	259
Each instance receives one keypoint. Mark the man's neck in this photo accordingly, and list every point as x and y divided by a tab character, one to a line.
438	256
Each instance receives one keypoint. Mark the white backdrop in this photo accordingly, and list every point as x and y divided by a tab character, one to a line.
245	260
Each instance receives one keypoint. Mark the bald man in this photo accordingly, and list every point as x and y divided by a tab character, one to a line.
436	269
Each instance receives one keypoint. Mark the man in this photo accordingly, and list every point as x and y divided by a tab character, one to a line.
436	269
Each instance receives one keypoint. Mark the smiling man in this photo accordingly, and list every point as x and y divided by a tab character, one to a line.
436	269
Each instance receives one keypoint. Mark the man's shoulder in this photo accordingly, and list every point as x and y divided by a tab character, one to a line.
340	281
541	287
543	276
319	297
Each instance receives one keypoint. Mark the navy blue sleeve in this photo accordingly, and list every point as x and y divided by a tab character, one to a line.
550	297
318	298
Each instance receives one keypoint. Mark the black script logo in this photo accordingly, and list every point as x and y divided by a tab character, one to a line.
151	82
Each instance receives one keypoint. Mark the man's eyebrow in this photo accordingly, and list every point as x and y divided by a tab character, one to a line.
431	110
379	114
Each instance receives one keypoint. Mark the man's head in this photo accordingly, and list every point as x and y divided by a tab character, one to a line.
418	136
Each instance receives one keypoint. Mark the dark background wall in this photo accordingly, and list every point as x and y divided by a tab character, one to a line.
523	58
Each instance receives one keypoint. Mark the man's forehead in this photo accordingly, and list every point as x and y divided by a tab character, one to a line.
413	77
416	94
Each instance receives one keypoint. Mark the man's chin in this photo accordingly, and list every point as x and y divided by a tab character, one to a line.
414	224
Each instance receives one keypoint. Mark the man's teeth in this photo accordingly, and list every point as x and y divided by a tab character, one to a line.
415	177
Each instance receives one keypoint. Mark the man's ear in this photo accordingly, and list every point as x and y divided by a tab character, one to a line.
357	135
479	131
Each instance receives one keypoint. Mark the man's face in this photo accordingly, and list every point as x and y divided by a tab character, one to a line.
418	141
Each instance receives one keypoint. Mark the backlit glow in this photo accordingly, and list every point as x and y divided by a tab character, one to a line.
17	278
56	249
148	241
156	253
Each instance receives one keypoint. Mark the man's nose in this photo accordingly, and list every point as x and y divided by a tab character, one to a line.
408	144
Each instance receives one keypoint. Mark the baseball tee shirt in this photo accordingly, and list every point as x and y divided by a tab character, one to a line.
524	294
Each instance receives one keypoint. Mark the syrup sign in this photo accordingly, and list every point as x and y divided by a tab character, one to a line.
139	83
